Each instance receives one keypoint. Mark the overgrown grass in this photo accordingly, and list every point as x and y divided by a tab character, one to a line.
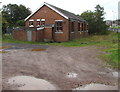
110	42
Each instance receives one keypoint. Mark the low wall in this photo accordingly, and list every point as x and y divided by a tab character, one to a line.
20	35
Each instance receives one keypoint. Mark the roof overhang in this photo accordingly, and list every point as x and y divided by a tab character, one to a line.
49	7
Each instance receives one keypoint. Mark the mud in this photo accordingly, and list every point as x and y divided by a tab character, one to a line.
54	64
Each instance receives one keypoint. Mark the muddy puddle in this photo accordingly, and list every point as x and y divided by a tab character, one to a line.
94	86
4	47
30	83
39	49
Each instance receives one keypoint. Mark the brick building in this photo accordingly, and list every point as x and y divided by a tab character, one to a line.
50	23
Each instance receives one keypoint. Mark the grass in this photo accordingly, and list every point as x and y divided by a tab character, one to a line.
110	42
116	27
112	58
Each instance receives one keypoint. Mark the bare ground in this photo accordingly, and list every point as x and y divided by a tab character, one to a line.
54	64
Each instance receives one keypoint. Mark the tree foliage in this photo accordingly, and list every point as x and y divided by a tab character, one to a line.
13	15
95	20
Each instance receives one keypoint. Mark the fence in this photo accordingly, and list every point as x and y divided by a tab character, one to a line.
115	29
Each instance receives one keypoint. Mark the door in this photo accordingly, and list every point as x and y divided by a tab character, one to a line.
29	35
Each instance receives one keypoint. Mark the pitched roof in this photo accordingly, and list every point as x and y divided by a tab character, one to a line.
60	11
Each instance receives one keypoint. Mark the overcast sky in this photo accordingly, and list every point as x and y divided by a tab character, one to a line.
74	6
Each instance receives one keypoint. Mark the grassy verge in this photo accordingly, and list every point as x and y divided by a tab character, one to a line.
116	27
110	42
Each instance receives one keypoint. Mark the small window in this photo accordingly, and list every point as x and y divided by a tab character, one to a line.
38	22
30	23
72	26
42	22
59	26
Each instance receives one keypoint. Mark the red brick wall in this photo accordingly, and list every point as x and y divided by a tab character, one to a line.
37	35
40	35
77	34
48	34
34	35
50	16
20	35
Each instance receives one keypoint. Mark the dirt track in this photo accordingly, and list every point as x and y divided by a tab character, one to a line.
54	64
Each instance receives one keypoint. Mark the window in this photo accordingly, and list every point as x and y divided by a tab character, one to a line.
42	21
38	22
31	23
82	27
72	26
78	26
59	26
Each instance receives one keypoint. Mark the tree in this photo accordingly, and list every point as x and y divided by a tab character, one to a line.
95	20
89	17
13	15
4	25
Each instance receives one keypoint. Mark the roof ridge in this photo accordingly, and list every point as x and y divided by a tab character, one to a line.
66	11
59	8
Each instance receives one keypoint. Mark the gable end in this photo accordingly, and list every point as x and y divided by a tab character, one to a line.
50	8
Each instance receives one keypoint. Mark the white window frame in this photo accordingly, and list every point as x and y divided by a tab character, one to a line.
31	20
59	31
38	20
58	20
42	19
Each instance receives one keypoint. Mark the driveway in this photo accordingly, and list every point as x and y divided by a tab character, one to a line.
64	67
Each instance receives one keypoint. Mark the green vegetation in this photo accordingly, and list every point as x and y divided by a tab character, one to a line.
13	15
95	19
109	42
116	27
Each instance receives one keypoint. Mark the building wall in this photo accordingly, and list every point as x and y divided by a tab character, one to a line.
47	34
37	35
20	35
78	33
50	16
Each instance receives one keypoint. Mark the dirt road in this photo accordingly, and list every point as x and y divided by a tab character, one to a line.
55	64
